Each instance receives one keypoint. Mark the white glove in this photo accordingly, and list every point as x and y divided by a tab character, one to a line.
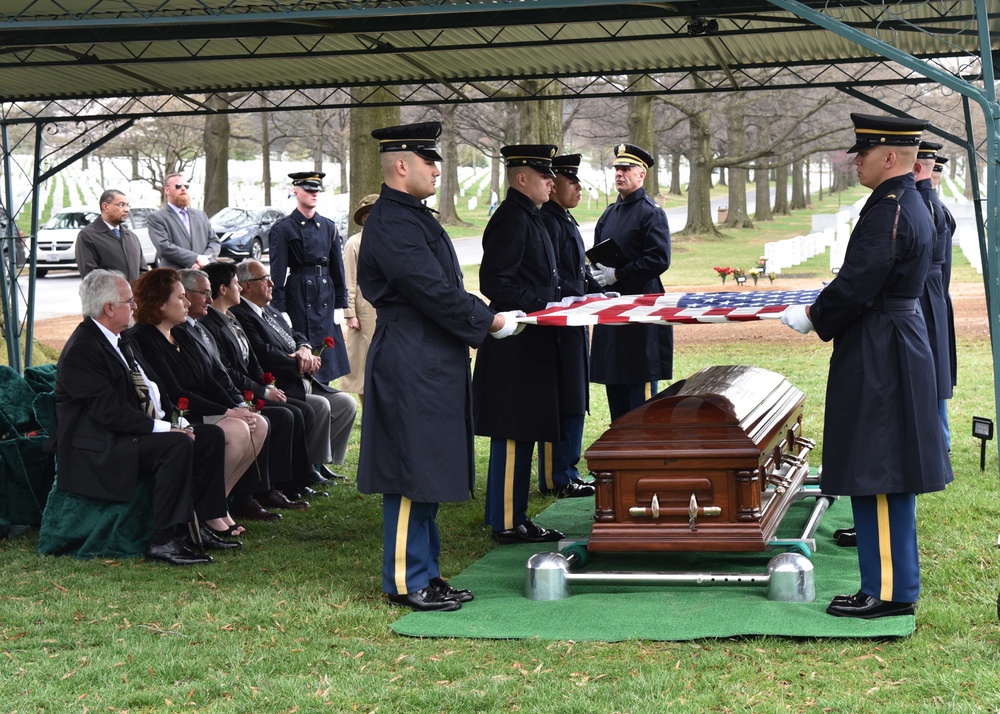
338	315
612	295
510	324
795	317
575	298
604	276
565	302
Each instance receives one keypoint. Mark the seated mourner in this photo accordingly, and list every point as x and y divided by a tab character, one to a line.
114	424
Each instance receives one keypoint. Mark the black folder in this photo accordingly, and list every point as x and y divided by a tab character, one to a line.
607	253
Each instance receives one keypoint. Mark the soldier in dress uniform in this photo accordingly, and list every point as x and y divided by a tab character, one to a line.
936	174
516	385
629	361
934	301
882	440
557	470
416	437
307	268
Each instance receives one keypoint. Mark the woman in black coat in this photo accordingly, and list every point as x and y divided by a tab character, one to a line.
161	306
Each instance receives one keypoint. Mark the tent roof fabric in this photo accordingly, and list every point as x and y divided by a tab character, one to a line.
75	49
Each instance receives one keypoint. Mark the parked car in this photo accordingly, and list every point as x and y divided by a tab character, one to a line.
57	237
244	231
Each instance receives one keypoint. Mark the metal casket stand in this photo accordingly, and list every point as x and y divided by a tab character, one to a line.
789	577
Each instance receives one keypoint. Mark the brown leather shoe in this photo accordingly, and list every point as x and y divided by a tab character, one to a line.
276	499
251	510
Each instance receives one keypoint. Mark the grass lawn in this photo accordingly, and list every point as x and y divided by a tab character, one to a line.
295	622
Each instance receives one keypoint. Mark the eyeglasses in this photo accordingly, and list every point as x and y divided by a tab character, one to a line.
130	301
121	204
263	277
182	185
206	293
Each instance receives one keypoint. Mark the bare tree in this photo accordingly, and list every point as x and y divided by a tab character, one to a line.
365	173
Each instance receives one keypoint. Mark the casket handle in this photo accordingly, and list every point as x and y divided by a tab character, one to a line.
693	511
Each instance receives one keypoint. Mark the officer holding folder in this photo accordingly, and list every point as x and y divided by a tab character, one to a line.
630	360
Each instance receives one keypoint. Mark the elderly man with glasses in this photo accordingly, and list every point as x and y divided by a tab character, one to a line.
108	243
183	236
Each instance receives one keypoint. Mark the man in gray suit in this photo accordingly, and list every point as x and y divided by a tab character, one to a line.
183	236
108	243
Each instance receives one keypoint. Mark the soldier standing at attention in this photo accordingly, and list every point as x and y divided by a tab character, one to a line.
516	386
307	268
557	470
416	437
629	361
882	379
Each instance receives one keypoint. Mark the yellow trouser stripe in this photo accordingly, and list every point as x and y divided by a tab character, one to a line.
649	391
402	528
884	545
545	463
508	485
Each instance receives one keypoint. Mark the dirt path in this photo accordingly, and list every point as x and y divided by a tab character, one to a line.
968	299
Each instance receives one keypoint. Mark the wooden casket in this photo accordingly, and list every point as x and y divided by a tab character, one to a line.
712	464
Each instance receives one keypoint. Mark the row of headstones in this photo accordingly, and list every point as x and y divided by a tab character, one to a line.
829	230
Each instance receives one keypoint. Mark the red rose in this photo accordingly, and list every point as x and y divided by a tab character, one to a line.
328	341
261	404
248	397
267	378
182	404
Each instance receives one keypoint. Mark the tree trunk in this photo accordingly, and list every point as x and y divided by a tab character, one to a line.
135	166
675	174
265	147
736	131
798	193
216	143
541	121
722	176
809	199
699	220
781	190
761	178
640	128
449	172
821	162
365	173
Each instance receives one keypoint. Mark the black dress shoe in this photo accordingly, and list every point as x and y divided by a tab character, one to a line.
846	537
426	600
867	607
251	510
573	490
446	590
276	499
317	479
527	532
175	552
329	475
839	599
210	541
303	493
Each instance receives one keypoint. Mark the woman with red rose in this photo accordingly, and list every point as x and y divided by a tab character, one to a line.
161	306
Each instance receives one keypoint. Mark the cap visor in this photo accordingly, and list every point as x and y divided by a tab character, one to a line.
428	154
545	171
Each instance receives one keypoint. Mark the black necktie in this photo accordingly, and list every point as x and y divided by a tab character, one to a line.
145	403
276	325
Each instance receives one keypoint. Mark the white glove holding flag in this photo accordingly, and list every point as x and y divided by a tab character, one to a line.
338	315
795	317
510	324
565	302
612	295
604	276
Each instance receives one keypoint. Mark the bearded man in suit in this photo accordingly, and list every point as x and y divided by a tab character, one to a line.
183	236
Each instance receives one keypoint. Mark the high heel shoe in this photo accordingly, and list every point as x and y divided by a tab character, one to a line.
233	530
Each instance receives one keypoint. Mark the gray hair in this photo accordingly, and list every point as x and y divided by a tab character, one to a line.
189	277
243	270
99	288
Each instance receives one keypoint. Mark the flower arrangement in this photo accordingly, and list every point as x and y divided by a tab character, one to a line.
182	406
327	343
723	273
755	274
771	276
740	275
762	262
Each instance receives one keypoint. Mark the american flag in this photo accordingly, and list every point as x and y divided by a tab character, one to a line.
675	308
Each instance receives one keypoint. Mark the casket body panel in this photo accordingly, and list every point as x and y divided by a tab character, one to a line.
711	467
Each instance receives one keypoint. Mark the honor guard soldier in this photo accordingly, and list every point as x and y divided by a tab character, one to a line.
936	174
516	386
557	461
881	382
630	361
307	267
934	301
416	437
